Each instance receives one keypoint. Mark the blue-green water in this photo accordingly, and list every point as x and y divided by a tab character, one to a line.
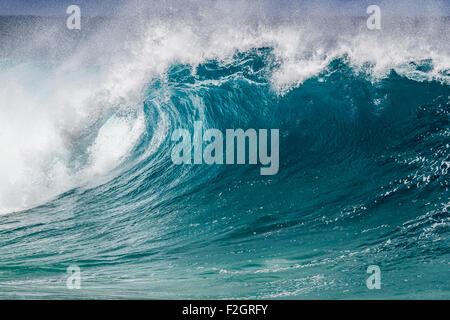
87	177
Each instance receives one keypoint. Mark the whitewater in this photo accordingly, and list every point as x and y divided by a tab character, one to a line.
87	179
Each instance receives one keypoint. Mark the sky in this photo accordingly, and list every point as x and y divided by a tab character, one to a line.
321	7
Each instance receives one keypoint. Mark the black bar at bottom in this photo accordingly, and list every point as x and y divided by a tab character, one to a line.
221	309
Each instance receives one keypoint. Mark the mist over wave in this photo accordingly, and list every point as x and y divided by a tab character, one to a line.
86	176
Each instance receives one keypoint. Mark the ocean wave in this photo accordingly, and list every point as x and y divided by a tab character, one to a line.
364	155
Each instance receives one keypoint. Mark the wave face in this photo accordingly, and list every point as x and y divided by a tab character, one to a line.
86	176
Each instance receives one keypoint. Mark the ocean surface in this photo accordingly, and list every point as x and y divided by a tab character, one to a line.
87	179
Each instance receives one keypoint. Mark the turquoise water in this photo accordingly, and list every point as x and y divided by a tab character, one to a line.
363	178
